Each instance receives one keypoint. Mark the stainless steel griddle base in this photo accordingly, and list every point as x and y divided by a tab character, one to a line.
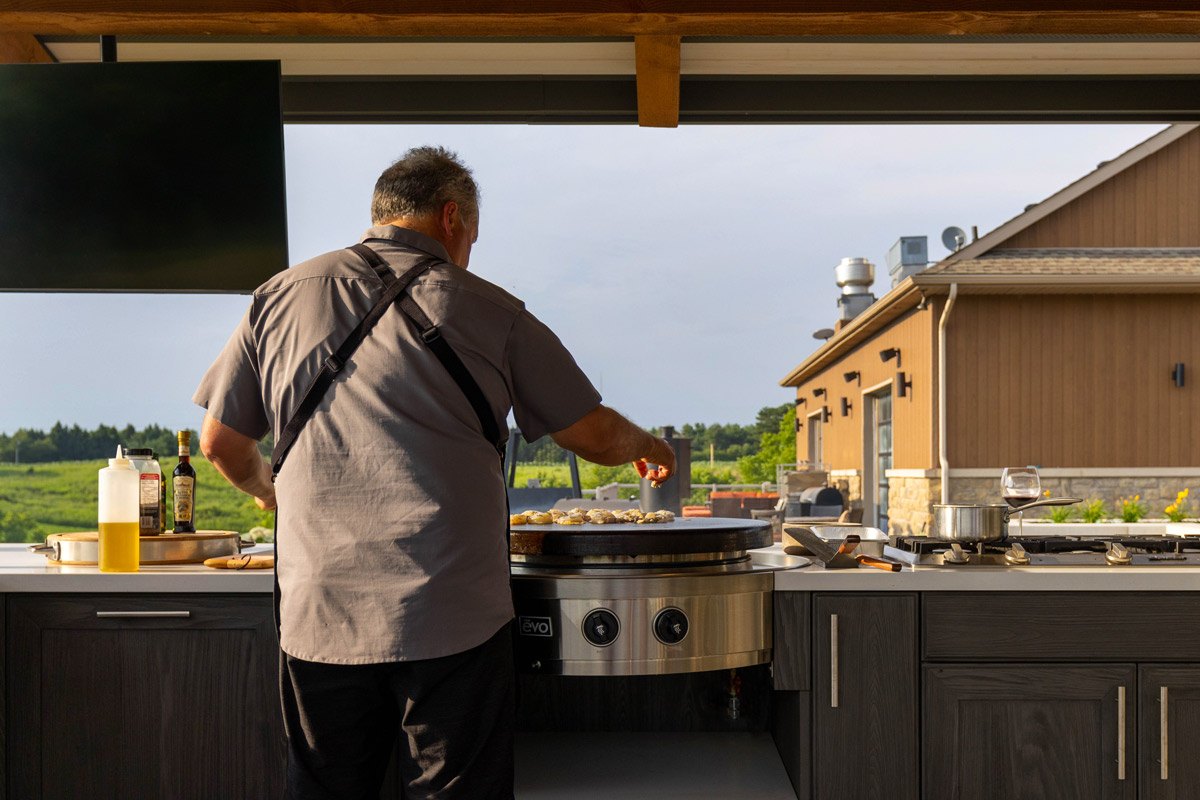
723	608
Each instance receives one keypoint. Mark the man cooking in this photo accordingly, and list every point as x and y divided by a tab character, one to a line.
391	553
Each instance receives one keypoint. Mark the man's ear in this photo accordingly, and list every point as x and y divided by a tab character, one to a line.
448	212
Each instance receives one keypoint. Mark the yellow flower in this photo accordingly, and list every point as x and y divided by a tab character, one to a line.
1171	509
1184	493
1137	497
1046	493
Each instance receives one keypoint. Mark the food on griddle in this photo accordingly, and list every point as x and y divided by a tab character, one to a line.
595	516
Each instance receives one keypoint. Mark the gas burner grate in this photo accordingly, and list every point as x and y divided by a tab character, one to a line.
1049	545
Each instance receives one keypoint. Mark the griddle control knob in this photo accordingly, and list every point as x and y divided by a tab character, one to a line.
600	627
670	626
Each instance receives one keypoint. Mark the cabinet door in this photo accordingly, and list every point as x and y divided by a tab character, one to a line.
865	696
1052	731
120	696
1169	731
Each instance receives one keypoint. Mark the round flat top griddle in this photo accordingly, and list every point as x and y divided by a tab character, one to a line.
683	535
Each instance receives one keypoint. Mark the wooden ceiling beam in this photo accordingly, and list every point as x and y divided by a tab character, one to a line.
23	48
657	59
590	18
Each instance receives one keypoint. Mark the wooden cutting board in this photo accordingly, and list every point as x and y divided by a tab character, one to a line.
246	561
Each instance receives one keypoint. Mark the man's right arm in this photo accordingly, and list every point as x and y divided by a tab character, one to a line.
603	436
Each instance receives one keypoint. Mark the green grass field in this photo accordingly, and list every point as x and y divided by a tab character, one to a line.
39	499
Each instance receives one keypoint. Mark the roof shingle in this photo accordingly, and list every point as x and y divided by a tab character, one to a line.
1068	261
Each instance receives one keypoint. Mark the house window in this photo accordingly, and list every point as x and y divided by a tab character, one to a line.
882	407
815	454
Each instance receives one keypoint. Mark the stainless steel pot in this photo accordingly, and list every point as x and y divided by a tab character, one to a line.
83	549
982	523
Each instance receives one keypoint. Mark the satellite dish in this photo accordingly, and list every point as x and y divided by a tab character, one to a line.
954	238
823	334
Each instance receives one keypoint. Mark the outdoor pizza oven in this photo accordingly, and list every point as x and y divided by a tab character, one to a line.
684	596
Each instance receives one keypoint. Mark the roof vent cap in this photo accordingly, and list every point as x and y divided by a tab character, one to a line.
855	275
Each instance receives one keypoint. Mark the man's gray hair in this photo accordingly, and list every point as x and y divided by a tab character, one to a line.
421	183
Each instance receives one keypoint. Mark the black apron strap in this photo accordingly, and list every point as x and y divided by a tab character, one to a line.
393	293
458	371
337	360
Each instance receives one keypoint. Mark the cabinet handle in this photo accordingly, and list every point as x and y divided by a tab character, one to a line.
143	614
1120	733
833	660
1162	731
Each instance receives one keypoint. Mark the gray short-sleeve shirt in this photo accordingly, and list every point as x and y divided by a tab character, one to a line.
391	543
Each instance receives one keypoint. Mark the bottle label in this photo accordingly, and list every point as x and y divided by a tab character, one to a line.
183	498
149	491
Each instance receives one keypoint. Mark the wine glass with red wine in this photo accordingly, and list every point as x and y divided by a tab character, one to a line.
1020	485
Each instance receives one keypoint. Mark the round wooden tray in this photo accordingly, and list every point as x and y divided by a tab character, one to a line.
684	535
82	548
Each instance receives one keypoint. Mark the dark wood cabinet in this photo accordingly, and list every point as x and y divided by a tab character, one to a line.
1169	731
1053	731
791	655
120	696
864	696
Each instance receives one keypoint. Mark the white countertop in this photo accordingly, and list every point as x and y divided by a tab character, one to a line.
23	571
1158	578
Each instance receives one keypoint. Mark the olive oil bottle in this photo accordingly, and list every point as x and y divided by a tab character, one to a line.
118	516
183	485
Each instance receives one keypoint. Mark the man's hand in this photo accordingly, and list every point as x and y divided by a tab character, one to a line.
236	457
663	458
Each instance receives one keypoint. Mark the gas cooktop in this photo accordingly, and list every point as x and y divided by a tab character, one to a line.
1057	551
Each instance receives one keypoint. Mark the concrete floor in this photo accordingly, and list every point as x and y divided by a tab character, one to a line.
650	766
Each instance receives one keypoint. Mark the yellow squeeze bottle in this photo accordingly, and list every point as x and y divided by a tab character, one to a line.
119	538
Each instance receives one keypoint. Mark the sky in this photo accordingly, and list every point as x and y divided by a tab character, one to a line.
685	269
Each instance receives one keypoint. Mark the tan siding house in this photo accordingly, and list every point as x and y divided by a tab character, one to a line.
1060	350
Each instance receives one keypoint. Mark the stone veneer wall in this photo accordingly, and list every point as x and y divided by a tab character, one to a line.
911	498
910	504
849	483
1156	492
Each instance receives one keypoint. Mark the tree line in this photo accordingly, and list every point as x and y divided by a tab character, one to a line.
60	443
729	442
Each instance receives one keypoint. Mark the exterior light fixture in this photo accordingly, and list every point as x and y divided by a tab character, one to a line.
1177	374
889	354
824	413
846	407
799	424
800	401
818	392
853	376
903	387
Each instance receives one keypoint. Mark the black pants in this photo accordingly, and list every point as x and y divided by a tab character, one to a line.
457	714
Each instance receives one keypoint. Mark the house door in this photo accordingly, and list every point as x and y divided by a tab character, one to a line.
881	407
815	454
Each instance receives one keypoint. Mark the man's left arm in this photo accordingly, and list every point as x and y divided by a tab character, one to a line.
236	457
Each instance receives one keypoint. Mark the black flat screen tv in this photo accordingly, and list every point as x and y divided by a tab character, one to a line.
141	177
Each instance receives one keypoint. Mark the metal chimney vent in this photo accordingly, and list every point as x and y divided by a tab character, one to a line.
854	276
